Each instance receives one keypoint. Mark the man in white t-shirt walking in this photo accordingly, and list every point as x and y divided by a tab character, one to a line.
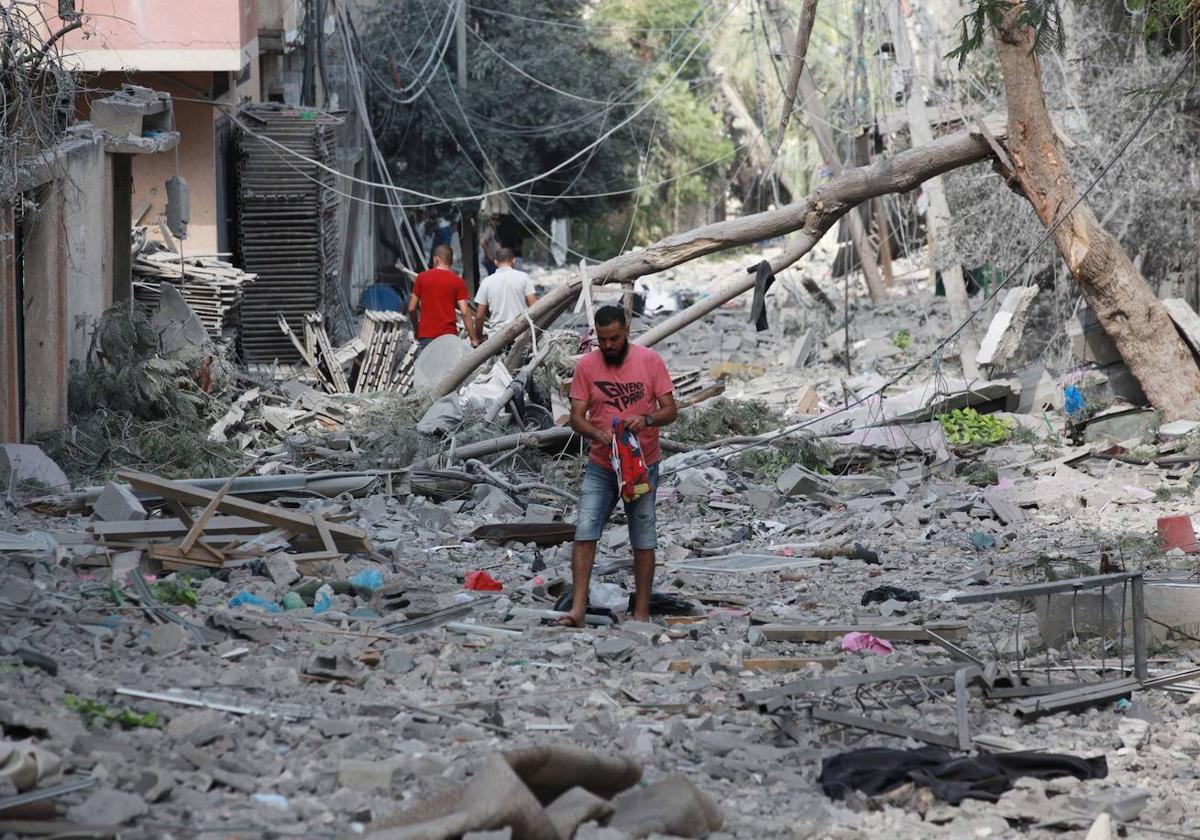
503	295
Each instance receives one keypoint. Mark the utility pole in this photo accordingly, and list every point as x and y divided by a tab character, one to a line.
468	236
460	45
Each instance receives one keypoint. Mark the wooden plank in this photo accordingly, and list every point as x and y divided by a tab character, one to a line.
347	538
194	532
893	633
171	528
173	554
789	663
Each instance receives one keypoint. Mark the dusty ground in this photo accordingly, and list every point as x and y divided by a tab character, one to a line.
352	735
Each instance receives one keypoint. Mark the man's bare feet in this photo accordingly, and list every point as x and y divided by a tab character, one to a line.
570	620
645	617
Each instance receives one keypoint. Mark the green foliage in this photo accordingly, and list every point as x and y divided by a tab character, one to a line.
687	133
902	339
177	593
967	427
96	712
132	408
767	463
1043	16
541	86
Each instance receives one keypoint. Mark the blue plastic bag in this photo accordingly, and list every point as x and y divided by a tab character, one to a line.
370	579
1073	402
253	600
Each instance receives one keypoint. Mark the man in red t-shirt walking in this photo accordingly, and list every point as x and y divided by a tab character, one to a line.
438	292
620	381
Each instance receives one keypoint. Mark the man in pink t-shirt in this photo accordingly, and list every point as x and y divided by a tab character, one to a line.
620	381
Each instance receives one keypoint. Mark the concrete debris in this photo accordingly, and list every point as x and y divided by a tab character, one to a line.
297	649
116	502
180	331
1003	337
22	463
1186	321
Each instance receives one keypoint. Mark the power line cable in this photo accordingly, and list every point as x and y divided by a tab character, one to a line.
937	352
527	181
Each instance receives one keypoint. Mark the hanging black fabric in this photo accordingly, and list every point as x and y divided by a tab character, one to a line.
763	280
982	776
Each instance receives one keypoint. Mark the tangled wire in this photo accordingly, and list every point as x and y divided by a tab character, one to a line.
37	95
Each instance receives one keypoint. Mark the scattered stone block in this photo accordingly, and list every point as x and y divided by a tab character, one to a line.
802	351
122	563
361	775
181	333
168	638
109	807
1004	333
541	513
614	649
398	662
281	569
494	502
798	480
116	503
432	517
27	463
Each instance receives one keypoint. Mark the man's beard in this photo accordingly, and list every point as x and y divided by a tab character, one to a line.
615	357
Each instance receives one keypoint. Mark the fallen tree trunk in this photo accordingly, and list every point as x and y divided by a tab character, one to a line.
814	215
1119	296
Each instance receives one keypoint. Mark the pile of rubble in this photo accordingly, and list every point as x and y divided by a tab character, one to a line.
953	609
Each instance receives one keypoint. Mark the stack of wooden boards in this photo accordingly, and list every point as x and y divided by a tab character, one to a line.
211	287
379	358
201	538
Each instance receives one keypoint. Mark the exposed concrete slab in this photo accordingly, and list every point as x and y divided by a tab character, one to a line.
180	331
1007	326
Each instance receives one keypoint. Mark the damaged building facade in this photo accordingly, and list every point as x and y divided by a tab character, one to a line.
158	97
291	572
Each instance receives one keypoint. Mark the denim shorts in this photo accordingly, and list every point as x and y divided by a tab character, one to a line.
599	495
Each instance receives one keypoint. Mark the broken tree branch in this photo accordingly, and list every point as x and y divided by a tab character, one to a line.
814	215
808	15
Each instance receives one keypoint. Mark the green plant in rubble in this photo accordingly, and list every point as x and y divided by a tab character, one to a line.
966	427
176	593
769	462
902	339
95	711
723	418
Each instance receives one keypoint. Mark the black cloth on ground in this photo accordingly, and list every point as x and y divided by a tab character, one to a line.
764	278
951	779
884	593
